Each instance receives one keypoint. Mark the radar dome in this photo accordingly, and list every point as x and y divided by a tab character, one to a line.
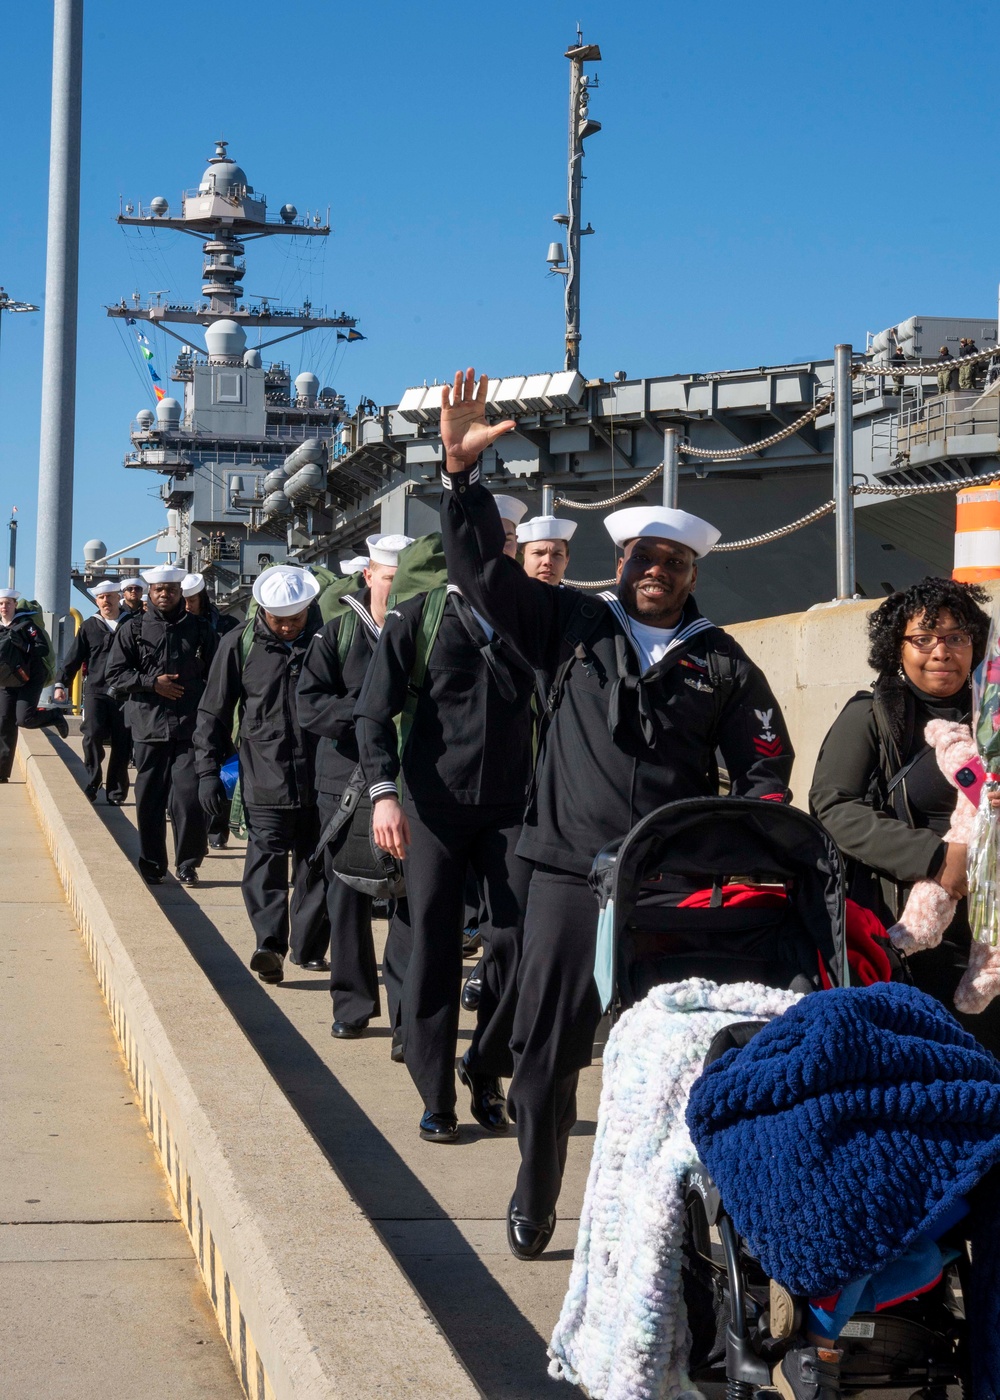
289	213
159	206
224	176
306	387
145	417
226	340
168	413
251	359
94	550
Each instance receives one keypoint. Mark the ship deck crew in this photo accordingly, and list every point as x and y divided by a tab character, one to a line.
465	769
652	691
160	660
544	544
133	591
328	691
277	774
104	726
197	601
19	703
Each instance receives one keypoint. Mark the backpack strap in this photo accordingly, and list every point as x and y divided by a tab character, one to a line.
580	626
345	635
431	613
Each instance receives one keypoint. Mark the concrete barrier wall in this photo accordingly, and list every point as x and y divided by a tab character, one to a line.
815	661
310	1301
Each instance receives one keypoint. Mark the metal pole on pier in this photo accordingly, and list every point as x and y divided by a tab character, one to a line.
581	125
53	555
12	555
843	468
671	466
548	498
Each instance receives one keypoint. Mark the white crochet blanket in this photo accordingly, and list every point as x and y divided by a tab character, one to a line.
622	1333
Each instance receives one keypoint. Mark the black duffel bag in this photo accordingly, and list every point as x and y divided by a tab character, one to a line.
15	667
357	860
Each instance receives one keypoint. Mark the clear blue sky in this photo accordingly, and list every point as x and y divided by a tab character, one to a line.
770	179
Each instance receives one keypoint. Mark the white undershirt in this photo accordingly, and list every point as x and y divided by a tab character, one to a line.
111	623
652	643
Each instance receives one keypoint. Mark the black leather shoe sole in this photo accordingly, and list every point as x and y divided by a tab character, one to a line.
346	1030
491	1117
526	1239
268	965
316	965
439	1127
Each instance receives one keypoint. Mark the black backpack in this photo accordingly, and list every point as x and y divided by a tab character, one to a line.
15	658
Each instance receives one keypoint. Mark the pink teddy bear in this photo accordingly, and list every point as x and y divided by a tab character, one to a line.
929	909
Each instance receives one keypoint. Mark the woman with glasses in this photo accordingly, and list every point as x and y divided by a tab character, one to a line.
877	787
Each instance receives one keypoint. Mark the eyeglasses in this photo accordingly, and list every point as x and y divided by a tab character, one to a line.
927	641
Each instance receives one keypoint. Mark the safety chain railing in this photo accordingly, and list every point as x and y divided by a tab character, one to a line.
730	454
612	500
888	371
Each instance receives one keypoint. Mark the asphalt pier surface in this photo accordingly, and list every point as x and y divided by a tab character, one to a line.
100	1293
440	1209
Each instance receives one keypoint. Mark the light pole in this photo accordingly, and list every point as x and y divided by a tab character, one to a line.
581	125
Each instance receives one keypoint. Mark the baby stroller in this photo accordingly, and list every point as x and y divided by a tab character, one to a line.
655	929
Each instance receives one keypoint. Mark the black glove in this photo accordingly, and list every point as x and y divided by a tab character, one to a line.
212	796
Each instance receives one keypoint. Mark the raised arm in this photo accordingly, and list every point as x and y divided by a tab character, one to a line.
527	614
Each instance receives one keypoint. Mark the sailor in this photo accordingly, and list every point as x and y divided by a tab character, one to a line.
254	677
24	648
650	690
159	662
132	595
332	676
968	373
466	760
103	721
197	601
544	542
946	374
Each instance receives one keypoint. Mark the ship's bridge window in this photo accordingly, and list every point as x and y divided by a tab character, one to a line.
229	388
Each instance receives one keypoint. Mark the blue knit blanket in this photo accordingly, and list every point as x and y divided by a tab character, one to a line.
847	1126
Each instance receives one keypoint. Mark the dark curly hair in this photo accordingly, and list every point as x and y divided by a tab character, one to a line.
887	624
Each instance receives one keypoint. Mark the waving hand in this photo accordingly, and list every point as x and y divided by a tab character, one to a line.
464	430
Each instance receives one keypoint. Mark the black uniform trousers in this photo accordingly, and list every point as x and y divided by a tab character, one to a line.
165	777
19	710
353	968
443	845
274	834
104	727
555	1020
396	959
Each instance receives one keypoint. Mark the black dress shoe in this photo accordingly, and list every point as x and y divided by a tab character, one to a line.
527	1239
90	793
489	1103
113	801
218	843
347	1030
151	877
396	1048
268	965
473	988
439	1127
316	965
187	875
60	726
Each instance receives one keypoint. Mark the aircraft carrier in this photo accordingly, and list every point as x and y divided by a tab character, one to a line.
257	467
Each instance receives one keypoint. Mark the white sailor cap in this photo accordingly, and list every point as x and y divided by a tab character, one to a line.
165	573
355	565
192	584
545	527
132	583
662	523
10	593
386	549
106	585
285	589
510	507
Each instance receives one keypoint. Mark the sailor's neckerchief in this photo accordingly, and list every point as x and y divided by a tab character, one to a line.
684	634
639	715
371	626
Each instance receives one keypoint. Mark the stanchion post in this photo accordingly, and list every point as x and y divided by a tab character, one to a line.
548	498
671	466
843	468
